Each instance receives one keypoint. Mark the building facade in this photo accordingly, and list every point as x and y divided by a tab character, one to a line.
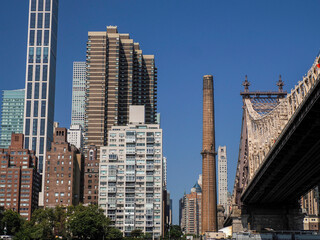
20	180
310	206
11	115
40	79
63	172
131	177
223	178
78	93
75	136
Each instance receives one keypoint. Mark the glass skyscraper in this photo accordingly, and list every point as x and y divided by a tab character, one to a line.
11	115
40	77
78	93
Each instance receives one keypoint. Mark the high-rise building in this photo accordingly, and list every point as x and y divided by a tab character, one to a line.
20	180
223	178
118	75
131	178
40	79
209	188
11	115
190	221
75	136
310	206
78	93
63	172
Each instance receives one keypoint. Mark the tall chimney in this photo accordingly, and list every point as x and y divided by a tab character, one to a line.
209	190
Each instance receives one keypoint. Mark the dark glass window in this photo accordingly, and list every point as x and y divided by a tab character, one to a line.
27	127
36	91
29	91
31	54
34	144
40	164
37	78
35	127
33	20
40	20
44	72
40	5
26	142
47	20
44	90
48	5
43	108
39	37
30	72
42	126
35	108
45	54
33	5
28	109
41	145
38	55
31	38
46	38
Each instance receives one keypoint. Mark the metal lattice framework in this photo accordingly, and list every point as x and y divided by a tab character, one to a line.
265	115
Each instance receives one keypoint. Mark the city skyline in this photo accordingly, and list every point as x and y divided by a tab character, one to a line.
287	51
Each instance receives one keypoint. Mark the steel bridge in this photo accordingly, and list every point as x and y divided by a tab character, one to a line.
279	155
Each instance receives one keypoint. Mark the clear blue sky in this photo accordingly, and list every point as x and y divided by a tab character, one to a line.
227	39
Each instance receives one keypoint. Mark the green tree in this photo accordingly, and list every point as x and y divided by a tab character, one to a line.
174	232
136	233
11	222
89	223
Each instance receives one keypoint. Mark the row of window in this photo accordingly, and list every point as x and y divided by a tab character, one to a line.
40	5
37	72
39	37
40	20
38	54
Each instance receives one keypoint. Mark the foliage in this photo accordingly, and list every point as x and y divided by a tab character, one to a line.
174	232
136	233
12	221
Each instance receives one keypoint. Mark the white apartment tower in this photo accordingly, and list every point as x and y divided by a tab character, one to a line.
40	79
75	136
78	93
223	177
131	176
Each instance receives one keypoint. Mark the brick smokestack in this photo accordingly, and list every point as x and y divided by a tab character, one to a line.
209	189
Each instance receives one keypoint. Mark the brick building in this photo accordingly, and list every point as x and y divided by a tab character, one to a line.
19	178
63	172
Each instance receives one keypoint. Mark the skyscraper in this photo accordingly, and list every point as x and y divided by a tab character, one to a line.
11	115
209	188
131	176
40	78
78	93
118	75
223	178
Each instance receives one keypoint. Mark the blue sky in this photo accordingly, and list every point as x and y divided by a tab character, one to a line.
189	39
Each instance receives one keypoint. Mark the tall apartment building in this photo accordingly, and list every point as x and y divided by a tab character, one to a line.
11	115
190	221
78	93
63	172
118	75
75	136
19	179
310	206
131	178
223	178
40	79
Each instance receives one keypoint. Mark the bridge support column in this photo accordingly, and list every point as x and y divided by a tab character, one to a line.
262	217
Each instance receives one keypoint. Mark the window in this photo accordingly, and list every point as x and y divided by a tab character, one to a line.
33	5
41	145
42	126
26	139
35	126
44	90
48	5
33	20
45	55
28	108
30	72
43	109
34	144
37	78
44	72
29	91
27	129
35	109
31	54
31	38
40	5
36	91
46	38
47	20
40	20
38	55
39	37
